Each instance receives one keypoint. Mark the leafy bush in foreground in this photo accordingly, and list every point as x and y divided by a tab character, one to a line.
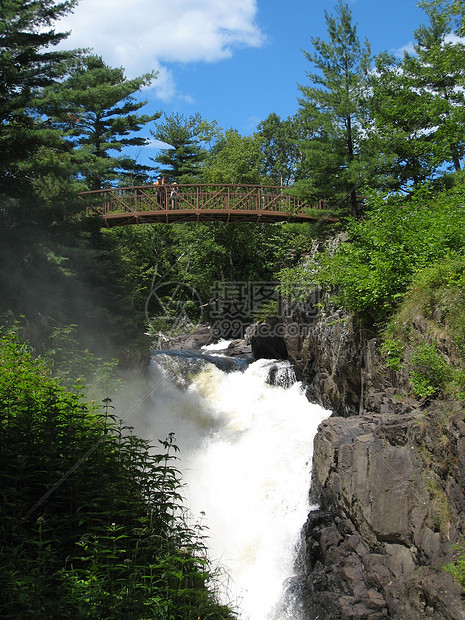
90	518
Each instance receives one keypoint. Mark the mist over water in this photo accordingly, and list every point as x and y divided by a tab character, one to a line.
245	455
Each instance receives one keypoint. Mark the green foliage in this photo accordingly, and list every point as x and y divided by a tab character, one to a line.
428	370
186	139
279	148
70	274
27	64
417	106
174	268
235	159
434	355
92	523
457	567
440	289
392	349
55	271
97	114
454	9
334	113
400	116
72	362
74	365
372	271
404	263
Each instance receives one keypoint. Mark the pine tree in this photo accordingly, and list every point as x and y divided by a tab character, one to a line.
418	105
397	132
97	112
455	9
185	152
333	113
437	73
27	64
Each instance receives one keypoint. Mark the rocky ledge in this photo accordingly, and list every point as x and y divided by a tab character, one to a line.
199	337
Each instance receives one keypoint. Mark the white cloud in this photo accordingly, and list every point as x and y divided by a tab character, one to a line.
154	144
164	86
145	35
410	49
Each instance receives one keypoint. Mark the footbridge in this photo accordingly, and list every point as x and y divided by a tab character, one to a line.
169	203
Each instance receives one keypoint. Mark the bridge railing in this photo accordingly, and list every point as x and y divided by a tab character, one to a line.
198	197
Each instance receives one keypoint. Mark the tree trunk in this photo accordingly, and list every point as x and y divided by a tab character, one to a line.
455	157
350	148
354	203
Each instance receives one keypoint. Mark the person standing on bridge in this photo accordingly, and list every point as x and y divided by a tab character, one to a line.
174	195
161	191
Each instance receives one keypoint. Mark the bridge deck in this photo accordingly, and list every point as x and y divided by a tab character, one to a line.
195	203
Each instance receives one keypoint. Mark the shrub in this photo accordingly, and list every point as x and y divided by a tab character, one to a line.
91	518
441	287
457	567
372	271
428	371
392	349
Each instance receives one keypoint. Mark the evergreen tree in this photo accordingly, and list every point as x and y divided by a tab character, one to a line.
186	139
437	72
27	64
455	9
333	113
97	112
397	133
418	105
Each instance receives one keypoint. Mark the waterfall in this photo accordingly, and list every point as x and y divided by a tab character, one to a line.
245	456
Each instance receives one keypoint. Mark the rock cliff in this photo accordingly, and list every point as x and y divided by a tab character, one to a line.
388	479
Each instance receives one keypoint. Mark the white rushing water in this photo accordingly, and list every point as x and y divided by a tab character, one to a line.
245	455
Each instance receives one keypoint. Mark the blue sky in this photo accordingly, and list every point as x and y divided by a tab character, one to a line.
233	61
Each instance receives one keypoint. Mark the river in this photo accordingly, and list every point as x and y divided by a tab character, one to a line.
245	456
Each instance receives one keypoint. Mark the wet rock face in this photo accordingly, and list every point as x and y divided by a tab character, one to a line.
328	354
325	349
375	547
388	477
194	340
338	359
